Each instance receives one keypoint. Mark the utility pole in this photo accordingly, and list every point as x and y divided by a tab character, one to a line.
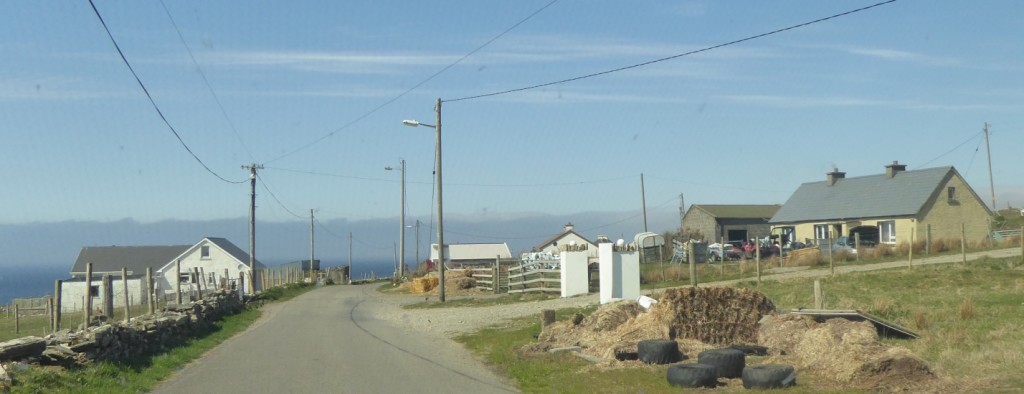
401	224
682	211
418	241
350	272
252	224
440	216
311	278
991	184
643	200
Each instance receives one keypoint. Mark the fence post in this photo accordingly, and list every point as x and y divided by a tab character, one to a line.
199	281
757	259
87	303
819	298
177	280
151	295
1022	244
831	261
241	284
57	289
963	245
127	301
496	275
928	239
910	252
547	318
49	314
17	320
108	297
856	244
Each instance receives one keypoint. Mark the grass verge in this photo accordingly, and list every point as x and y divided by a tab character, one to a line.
968	319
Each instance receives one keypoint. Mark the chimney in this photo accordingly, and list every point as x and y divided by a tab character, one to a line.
568	227
892	169
834	176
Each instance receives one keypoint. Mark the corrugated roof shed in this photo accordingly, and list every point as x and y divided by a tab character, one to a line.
863	197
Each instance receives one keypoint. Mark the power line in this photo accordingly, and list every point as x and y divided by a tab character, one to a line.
574	183
206	81
951	150
672	57
414	87
264	184
150	97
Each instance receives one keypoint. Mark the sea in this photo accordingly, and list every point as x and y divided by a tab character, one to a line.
38	280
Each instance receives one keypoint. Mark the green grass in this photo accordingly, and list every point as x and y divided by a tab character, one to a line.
968	319
145	372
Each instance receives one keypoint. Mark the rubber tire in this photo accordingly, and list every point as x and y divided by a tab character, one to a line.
771	376
692	375
751	350
659	351
728	362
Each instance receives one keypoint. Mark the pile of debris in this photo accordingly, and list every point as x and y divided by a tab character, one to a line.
845	352
696	318
848	352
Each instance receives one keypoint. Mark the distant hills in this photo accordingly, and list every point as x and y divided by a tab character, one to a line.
58	243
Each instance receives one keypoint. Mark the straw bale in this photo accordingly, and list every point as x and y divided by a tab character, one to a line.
611	316
715	315
423	285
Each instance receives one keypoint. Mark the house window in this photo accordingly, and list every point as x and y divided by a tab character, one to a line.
951	194
94	291
204	252
820	231
185	278
887	232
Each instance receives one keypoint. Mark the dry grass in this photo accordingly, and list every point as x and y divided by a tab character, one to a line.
967	309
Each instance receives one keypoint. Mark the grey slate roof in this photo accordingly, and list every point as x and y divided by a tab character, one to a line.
135	258
739	211
864	197
234	251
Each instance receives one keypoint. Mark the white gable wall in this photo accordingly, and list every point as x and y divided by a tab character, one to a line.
213	267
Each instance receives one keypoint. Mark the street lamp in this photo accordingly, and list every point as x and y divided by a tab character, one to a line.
440	216
401	234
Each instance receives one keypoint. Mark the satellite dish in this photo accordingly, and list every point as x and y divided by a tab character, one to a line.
620	242
572	243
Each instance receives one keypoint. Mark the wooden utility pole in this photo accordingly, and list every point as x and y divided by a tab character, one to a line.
310	246
350	272
682	211
151	295
124	283
57	303
252	221
991	184
643	204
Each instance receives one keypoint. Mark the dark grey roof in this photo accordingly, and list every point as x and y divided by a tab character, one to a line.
135	258
739	211
864	197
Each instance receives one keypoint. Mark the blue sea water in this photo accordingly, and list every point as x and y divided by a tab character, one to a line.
29	281
38	281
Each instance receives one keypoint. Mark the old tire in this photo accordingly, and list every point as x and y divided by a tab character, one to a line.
771	376
751	350
658	351
692	375
728	362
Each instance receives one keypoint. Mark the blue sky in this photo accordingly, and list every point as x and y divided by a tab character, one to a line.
912	81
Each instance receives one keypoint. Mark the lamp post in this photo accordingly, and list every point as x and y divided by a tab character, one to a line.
401	234
440	215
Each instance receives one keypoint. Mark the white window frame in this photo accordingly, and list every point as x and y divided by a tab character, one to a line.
821	231
887	232
204	252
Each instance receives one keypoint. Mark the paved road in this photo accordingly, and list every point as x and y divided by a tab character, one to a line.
329	341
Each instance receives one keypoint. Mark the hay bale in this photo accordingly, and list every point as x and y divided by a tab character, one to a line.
461	282
611	316
715	315
423	285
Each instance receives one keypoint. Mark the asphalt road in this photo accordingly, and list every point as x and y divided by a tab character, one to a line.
329	341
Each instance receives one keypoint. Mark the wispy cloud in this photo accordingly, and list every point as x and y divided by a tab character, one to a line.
355	63
897	55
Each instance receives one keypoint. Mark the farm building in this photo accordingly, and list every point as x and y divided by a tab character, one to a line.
557	243
457	255
729	222
887	208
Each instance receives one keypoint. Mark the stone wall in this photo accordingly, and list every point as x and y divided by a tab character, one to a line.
119	340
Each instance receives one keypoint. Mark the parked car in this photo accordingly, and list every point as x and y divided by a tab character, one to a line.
716	252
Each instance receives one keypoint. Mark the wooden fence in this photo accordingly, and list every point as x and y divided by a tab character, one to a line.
537	276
